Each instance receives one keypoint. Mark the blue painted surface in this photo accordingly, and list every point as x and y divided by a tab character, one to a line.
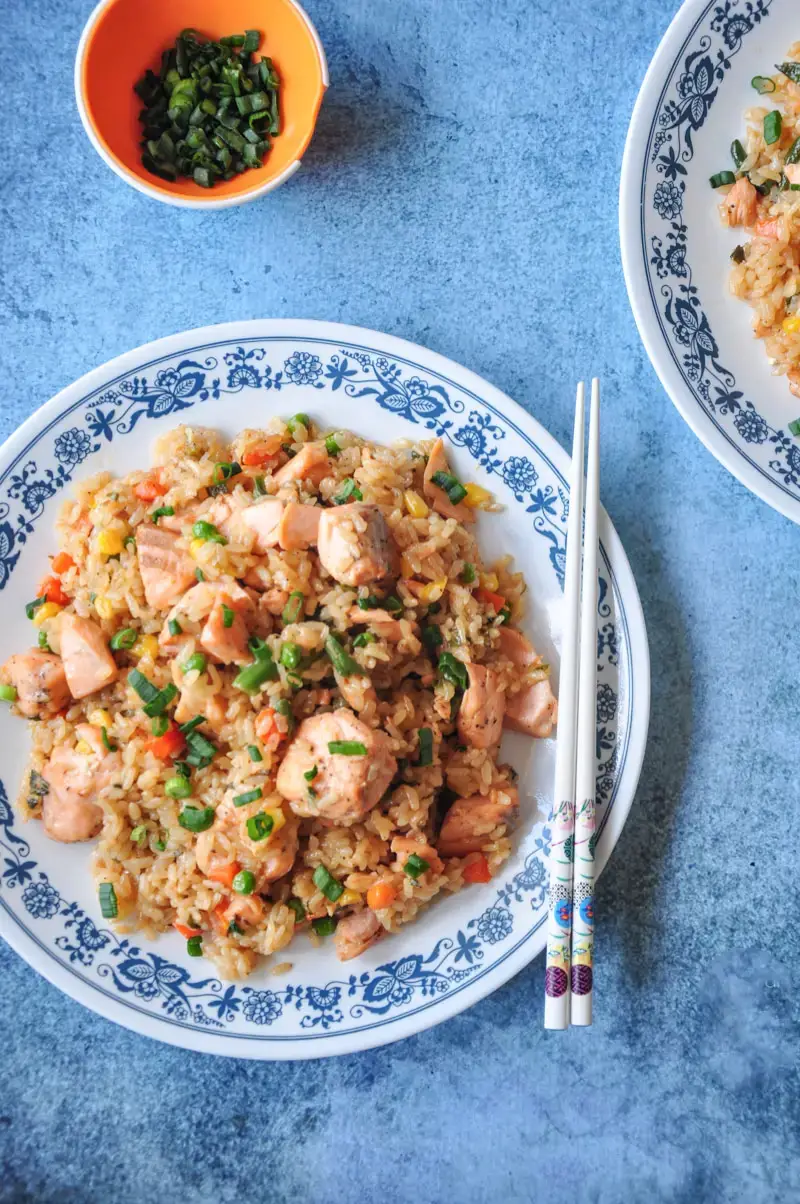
433	205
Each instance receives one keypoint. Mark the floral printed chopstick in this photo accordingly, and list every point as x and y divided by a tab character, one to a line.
570	928
559	905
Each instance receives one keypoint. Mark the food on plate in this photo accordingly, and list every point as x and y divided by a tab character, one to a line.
762	200
270	678
210	111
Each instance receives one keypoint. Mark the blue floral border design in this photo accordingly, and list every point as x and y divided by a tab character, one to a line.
146	978
691	89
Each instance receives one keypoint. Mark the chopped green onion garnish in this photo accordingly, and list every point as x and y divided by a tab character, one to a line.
201	750
791	71
425	746
324	880
254	753
225	470
393	604
197	661
199	574
311	773
250	796
42	641
234	929
366	637
325	925
196	819
773	127
721	179
107	744
159	845
291	655
331	446
139	834
207	532
347	748
8	694
294	607
454	670
297	907
415	866
162	512
762	84
341	660
349	491
182	768
371	602
32	607
191	724
431	637
794	427
504	616
451	486
284	707
108	900
301	419
174	627
468	574
259	488
144	688
260	826
161	701
227	616
160	725
194	946
738	153
244	883
123	640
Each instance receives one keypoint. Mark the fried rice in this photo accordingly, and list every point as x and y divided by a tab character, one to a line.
163	739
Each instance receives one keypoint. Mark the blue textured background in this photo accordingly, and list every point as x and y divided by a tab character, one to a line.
461	191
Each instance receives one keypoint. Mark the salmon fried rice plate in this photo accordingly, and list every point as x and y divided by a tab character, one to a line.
270	682
762	198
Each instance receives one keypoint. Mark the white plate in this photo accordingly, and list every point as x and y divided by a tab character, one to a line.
466	945
675	251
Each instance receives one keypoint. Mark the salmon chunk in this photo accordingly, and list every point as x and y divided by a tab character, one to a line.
344	787
299	526
264	520
167	570
355	933
310	464
740	206
355	544
69	811
225	633
534	710
40	682
480	717
227	840
88	664
469	823
437	462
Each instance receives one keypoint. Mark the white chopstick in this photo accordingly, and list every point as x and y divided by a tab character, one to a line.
559	907
585	760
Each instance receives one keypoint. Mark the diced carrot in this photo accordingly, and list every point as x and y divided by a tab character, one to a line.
171	744
380	895
61	562
186	931
491	599
262	452
219	917
267	729
51	589
224	874
477	870
149	489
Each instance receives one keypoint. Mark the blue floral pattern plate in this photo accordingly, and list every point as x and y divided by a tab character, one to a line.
675	252
466	945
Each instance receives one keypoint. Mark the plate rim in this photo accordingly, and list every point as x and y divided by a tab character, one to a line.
366	1037
661	67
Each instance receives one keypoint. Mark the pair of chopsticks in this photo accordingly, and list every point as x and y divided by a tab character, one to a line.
570	929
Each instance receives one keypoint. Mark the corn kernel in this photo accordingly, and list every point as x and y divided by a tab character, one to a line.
348	898
477	495
100	718
84	748
104	608
146	645
47	610
490	581
110	543
196	548
791	325
278	819
415	506
433	591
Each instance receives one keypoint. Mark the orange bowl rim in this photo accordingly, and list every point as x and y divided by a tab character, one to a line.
160	192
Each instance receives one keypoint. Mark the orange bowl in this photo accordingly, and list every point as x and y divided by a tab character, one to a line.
123	38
